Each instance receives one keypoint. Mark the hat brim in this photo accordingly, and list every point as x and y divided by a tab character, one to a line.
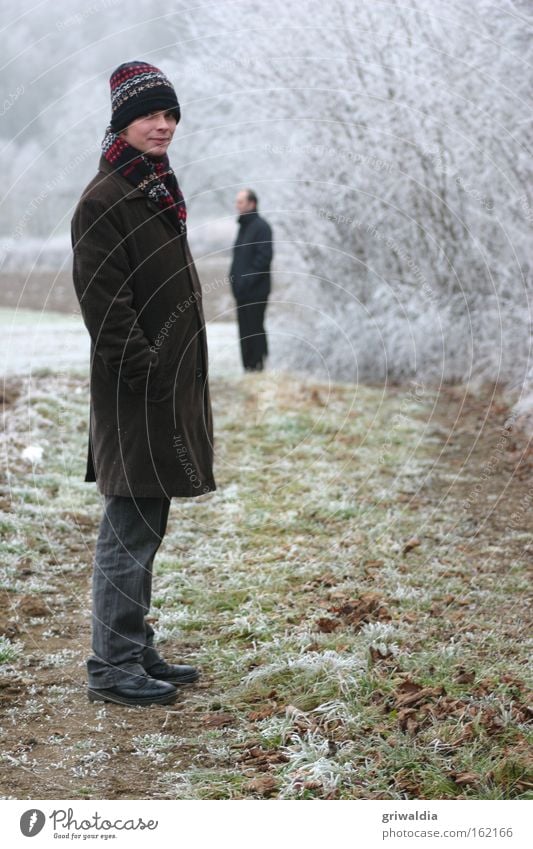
141	110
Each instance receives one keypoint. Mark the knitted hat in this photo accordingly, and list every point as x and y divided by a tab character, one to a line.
136	89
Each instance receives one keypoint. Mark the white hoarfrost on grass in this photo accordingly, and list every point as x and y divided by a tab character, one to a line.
33	453
314	763
327	665
10	651
154	746
381	636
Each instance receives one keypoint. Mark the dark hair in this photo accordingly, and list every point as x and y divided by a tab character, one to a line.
252	196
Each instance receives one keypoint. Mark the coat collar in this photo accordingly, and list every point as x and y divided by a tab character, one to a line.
246	217
130	192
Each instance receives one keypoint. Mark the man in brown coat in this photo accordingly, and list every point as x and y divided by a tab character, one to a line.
150	428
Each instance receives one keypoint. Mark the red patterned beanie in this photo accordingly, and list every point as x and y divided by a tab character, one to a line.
136	89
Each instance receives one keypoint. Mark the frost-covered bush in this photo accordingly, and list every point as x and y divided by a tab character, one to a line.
413	208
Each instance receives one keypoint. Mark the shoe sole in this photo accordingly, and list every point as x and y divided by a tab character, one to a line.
190	679
96	696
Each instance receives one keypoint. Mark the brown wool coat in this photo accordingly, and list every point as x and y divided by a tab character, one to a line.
150	423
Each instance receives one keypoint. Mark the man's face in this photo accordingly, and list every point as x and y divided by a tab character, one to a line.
243	204
151	133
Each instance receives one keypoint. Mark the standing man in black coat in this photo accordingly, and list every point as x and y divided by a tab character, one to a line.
250	279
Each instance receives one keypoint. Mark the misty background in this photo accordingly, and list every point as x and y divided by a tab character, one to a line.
389	144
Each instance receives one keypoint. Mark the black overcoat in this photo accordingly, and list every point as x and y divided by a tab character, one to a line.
150	424
252	256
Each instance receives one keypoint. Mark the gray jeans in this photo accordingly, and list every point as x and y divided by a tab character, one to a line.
131	531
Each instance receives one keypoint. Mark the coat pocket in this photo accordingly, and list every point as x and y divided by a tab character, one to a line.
160	384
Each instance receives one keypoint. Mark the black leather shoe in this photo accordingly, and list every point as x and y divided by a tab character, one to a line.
143	691
173	673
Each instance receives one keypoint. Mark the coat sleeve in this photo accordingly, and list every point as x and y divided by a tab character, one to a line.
101	274
255	282
262	255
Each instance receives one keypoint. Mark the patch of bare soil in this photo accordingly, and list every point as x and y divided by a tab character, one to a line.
51	735
9	392
484	467
55	743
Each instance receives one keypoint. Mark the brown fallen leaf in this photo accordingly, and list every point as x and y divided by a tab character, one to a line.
262	713
369	607
336	594
411	543
262	758
464	778
420	696
465	676
264	785
312	784
404	715
327	579
327	625
409	686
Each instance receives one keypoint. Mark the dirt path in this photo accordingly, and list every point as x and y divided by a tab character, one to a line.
57	745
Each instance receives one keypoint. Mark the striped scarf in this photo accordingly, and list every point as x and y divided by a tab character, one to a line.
152	176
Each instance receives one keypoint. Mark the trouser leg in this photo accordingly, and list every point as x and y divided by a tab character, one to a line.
150	653
252	333
128	539
243	318
261	346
